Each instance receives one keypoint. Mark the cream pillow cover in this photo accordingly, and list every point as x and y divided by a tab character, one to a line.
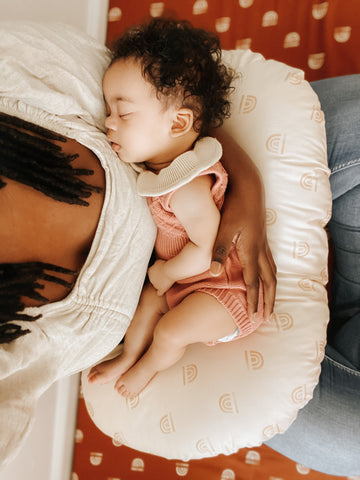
219	399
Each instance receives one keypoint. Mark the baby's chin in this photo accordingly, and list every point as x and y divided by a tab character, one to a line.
120	153
125	159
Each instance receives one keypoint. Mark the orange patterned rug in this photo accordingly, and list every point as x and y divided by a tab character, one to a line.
98	457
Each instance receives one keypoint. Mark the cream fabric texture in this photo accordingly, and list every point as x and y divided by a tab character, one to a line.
240	394
51	76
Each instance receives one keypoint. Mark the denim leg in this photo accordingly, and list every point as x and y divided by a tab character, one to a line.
340	100
326	433
344	229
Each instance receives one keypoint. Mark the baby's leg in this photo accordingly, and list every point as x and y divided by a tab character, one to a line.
198	318
138	337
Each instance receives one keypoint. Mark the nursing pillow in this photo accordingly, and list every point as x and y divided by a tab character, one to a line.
216	400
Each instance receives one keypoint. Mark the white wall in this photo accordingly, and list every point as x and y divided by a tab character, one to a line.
88	15
48	450
47	453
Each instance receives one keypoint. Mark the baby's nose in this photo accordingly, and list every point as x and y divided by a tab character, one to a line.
110	123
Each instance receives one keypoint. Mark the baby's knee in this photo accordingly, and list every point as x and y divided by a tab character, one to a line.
149	296
167	335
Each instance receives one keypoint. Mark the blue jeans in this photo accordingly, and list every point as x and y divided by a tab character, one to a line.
326	434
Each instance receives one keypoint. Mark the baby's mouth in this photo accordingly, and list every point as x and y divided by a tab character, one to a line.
115	146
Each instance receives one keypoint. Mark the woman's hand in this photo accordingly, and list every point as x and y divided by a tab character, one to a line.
243	216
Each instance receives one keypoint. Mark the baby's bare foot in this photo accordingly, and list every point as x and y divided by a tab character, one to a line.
134	380
107	371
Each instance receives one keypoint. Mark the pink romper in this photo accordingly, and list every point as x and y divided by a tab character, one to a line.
228	288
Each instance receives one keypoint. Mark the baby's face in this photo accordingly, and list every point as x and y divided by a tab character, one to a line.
138	125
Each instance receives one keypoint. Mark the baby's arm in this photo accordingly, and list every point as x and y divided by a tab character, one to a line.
194	206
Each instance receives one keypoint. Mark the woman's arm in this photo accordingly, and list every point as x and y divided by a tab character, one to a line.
194	207
243	215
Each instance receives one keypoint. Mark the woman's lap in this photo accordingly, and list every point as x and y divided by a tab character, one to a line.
326	434
340	100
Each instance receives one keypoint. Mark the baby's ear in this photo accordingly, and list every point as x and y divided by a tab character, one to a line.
183	122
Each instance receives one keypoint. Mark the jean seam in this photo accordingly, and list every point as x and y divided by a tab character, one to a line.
343	166
349	370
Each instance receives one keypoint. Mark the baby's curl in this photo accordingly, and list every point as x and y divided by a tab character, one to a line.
183	63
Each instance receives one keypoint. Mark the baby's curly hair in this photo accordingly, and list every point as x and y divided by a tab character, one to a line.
181	62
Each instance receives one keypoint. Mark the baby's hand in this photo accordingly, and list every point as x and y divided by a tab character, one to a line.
158	278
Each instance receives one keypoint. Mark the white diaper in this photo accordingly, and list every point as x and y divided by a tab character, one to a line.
230	337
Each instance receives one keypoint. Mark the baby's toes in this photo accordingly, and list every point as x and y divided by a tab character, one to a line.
121	389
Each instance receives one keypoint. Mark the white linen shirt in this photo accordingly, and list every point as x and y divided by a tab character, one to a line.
51	75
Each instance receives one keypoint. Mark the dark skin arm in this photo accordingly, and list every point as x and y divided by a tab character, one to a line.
243	216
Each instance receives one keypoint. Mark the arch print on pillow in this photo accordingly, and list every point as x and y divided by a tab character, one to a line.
239	394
